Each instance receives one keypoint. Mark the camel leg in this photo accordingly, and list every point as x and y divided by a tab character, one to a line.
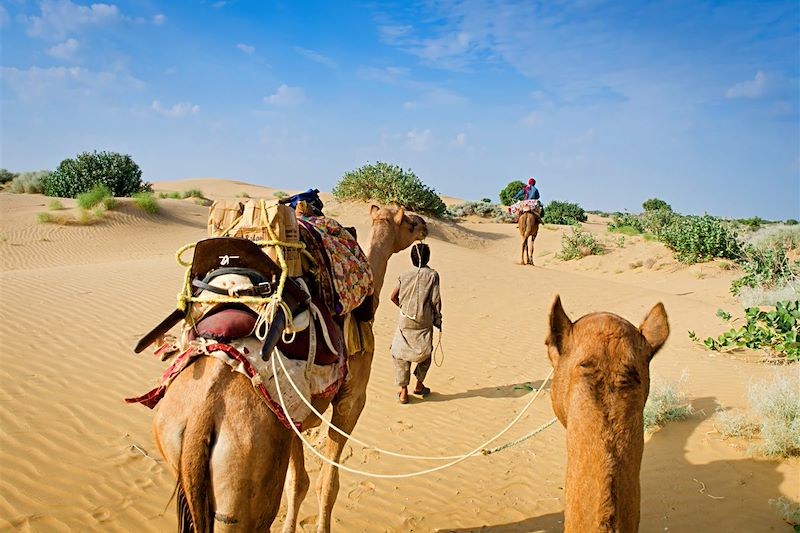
524	250
345	416
530	251
296	485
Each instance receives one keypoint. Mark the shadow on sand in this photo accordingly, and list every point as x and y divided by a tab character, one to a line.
515	390
677	495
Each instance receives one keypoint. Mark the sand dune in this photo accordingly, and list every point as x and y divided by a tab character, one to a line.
74	457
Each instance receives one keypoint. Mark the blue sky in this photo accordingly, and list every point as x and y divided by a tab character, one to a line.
605	103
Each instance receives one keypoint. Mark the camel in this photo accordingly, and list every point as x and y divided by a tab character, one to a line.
528	226
600	384
229	451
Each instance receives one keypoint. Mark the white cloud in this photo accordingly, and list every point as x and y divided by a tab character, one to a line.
286	96
755	88
65	50
159	19
419	141
316	57
59	17
3	17
246	48
176	111
460	141
220	4
531	119
409	106
65	82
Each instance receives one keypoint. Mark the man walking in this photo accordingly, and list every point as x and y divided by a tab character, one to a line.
417	296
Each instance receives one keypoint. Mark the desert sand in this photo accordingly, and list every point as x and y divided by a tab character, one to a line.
75	457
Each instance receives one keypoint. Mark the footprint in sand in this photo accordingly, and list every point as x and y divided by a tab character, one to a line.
400	426
364	489
101	514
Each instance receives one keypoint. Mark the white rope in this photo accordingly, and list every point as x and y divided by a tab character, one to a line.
458	458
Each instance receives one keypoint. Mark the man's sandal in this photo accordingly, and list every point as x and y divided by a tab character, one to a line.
401	399
423	392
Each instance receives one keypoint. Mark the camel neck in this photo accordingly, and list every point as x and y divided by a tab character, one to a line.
602	488
378	252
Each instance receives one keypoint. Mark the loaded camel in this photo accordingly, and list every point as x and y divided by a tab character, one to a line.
600	384
528	226
229	451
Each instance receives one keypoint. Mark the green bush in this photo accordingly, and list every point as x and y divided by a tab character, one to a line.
777	332
386	184
277	194
481	209
97	195
55	205
564	213
578	244
6	176
752	224
193	193
174	195
486	200
791	222
695	239
29	182
507	194
146	202
654	204
118	172
626	223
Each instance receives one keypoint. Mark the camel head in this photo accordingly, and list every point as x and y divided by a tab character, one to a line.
397	227
602	359
600	384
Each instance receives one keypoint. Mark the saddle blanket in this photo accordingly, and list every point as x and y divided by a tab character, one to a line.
523	206
243	356
349	271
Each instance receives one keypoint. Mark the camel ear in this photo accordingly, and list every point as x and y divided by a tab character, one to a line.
560	329
373	211
655	328
399	216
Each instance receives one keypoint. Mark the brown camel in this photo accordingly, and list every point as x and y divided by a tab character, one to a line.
600	384
229	451
528	226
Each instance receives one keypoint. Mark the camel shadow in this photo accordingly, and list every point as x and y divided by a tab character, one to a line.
683	494
515	390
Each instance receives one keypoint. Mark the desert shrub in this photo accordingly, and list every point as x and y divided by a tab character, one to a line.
734	423
386	184
97	195
776	236
666	403
85	218
695	239
655	204
29	182
6	175
753	296
109	203
486	200
626	223
277	194
776	405
55	205
507	194
50	218
482	209
172	195
753	224
504	217
146	202
788	511
765	269
577	244
192	193
791	222
658	220
563	213
776	332
118	172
